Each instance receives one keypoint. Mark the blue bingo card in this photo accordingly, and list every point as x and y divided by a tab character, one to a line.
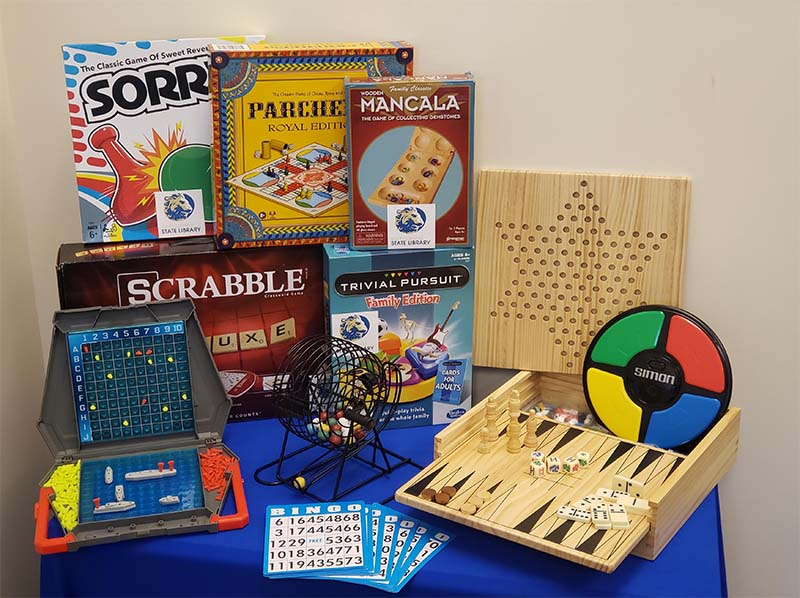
316	538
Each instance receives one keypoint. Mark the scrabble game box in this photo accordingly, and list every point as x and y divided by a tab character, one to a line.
252	305
141	136
413	308
280	154
410	141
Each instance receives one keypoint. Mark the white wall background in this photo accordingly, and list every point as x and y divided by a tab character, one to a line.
698	88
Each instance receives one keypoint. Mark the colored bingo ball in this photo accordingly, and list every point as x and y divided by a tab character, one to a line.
187	168
658	375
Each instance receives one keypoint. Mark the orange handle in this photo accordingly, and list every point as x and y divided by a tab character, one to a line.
41	512
241	517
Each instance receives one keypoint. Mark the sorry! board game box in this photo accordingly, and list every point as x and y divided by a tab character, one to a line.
141	136
253	305
280	153
413	308
410	167
133	411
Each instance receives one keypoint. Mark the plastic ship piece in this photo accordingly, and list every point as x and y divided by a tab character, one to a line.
115	506
152	474
109	475
170	499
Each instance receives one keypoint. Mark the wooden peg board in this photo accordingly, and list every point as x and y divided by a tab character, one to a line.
560	254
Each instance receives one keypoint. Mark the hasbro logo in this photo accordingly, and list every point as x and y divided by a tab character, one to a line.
354	327
178	206
409	220
456	413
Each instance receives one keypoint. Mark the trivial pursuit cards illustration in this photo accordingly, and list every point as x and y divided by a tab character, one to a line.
141	131
410	141
280	149
413	309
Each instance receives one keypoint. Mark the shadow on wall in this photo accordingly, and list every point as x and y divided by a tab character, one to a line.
24	458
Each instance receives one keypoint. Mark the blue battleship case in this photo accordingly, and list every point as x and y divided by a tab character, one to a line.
134	389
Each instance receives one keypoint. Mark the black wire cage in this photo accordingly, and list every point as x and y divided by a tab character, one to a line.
336	395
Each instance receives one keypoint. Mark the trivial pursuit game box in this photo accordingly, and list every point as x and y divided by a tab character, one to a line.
280	150
141	136
410	141
414	309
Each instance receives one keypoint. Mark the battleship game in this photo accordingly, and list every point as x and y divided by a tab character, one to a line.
133	413
131	381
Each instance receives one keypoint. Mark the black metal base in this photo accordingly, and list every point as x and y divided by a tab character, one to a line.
316	469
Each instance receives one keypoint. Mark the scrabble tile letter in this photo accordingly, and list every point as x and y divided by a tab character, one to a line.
252	339
225	343
282	331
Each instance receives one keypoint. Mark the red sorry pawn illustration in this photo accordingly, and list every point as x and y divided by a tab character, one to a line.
132	202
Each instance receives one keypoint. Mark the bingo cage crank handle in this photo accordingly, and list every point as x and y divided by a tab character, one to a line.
364	420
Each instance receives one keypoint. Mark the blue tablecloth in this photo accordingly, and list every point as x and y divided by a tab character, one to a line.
229	563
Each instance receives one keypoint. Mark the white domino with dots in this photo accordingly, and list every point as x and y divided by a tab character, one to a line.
573	514
618	516
594	499
632	487
601	518
611	495
637	506
582	504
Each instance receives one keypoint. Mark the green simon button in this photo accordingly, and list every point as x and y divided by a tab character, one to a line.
627	337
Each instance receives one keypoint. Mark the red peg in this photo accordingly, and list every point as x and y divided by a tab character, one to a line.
96	503
171	465
160	466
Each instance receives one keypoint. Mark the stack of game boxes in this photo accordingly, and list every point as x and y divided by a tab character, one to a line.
276	150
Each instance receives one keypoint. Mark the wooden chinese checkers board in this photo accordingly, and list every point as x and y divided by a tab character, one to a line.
559	254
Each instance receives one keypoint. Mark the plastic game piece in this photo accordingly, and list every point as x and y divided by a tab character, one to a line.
299	483
632	487
618	516
537	456
601	518
611	495
150	474
442	498
553	464
573	514
468	508
108	475
657	374
65	482
170	499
